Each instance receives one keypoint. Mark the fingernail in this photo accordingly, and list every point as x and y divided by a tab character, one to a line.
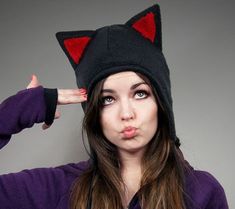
82	90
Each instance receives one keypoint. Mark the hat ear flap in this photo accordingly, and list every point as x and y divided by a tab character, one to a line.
148	24
74	44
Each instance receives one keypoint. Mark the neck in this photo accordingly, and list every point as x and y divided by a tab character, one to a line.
130	161
131	173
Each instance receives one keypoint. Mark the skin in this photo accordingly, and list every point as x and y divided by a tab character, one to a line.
125	107
65	96
129	107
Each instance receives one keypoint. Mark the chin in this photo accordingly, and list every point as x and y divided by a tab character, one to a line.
133	149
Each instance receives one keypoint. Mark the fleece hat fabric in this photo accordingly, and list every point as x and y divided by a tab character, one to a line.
135	45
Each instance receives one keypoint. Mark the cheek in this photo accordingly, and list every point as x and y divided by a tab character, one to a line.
150	119
154	115
106	120
149	112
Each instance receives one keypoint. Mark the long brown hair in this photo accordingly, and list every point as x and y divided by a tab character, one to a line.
162	183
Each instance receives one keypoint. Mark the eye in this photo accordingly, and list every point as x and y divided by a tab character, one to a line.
142	93
106	100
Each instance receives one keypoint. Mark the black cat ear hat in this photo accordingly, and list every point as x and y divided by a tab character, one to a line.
135	45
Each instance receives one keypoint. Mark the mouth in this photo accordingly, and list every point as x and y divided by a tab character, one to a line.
129	132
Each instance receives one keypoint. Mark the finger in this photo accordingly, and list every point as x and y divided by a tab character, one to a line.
57	115
34	82
75	92
63	100
45	126
71	96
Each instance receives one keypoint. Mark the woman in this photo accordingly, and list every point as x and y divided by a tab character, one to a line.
135	160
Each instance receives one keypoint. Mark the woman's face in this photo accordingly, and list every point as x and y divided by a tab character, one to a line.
128	101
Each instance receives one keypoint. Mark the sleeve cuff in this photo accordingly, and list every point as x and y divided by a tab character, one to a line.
51	97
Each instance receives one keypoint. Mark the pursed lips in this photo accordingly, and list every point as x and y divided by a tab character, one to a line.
129	132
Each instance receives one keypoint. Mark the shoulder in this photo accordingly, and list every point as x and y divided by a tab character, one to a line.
32	186
63	172
204	190
73	169
202	179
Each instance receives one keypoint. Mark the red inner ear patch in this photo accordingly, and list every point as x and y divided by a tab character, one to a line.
76	46
146	26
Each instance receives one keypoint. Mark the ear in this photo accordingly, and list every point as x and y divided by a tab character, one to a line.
74	44
148	24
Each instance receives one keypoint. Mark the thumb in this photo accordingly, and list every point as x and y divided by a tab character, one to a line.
34	82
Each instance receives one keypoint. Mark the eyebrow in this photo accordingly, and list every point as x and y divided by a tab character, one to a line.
132	87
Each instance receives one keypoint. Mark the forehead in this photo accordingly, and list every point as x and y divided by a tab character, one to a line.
121	76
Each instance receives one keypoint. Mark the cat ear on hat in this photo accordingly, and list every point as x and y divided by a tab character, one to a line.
148	24
74	44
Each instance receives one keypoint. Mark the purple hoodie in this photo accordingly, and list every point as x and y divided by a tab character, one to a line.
42	188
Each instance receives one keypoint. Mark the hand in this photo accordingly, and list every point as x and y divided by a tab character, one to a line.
65	96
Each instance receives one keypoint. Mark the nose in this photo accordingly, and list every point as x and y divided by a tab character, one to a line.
127	111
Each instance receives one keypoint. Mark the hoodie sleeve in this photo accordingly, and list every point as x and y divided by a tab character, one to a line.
37	188
24	109
40	188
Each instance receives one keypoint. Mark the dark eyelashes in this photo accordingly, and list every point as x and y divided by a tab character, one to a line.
104	98
136	92
142	91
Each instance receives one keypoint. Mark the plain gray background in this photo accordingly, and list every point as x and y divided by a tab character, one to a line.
198	42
